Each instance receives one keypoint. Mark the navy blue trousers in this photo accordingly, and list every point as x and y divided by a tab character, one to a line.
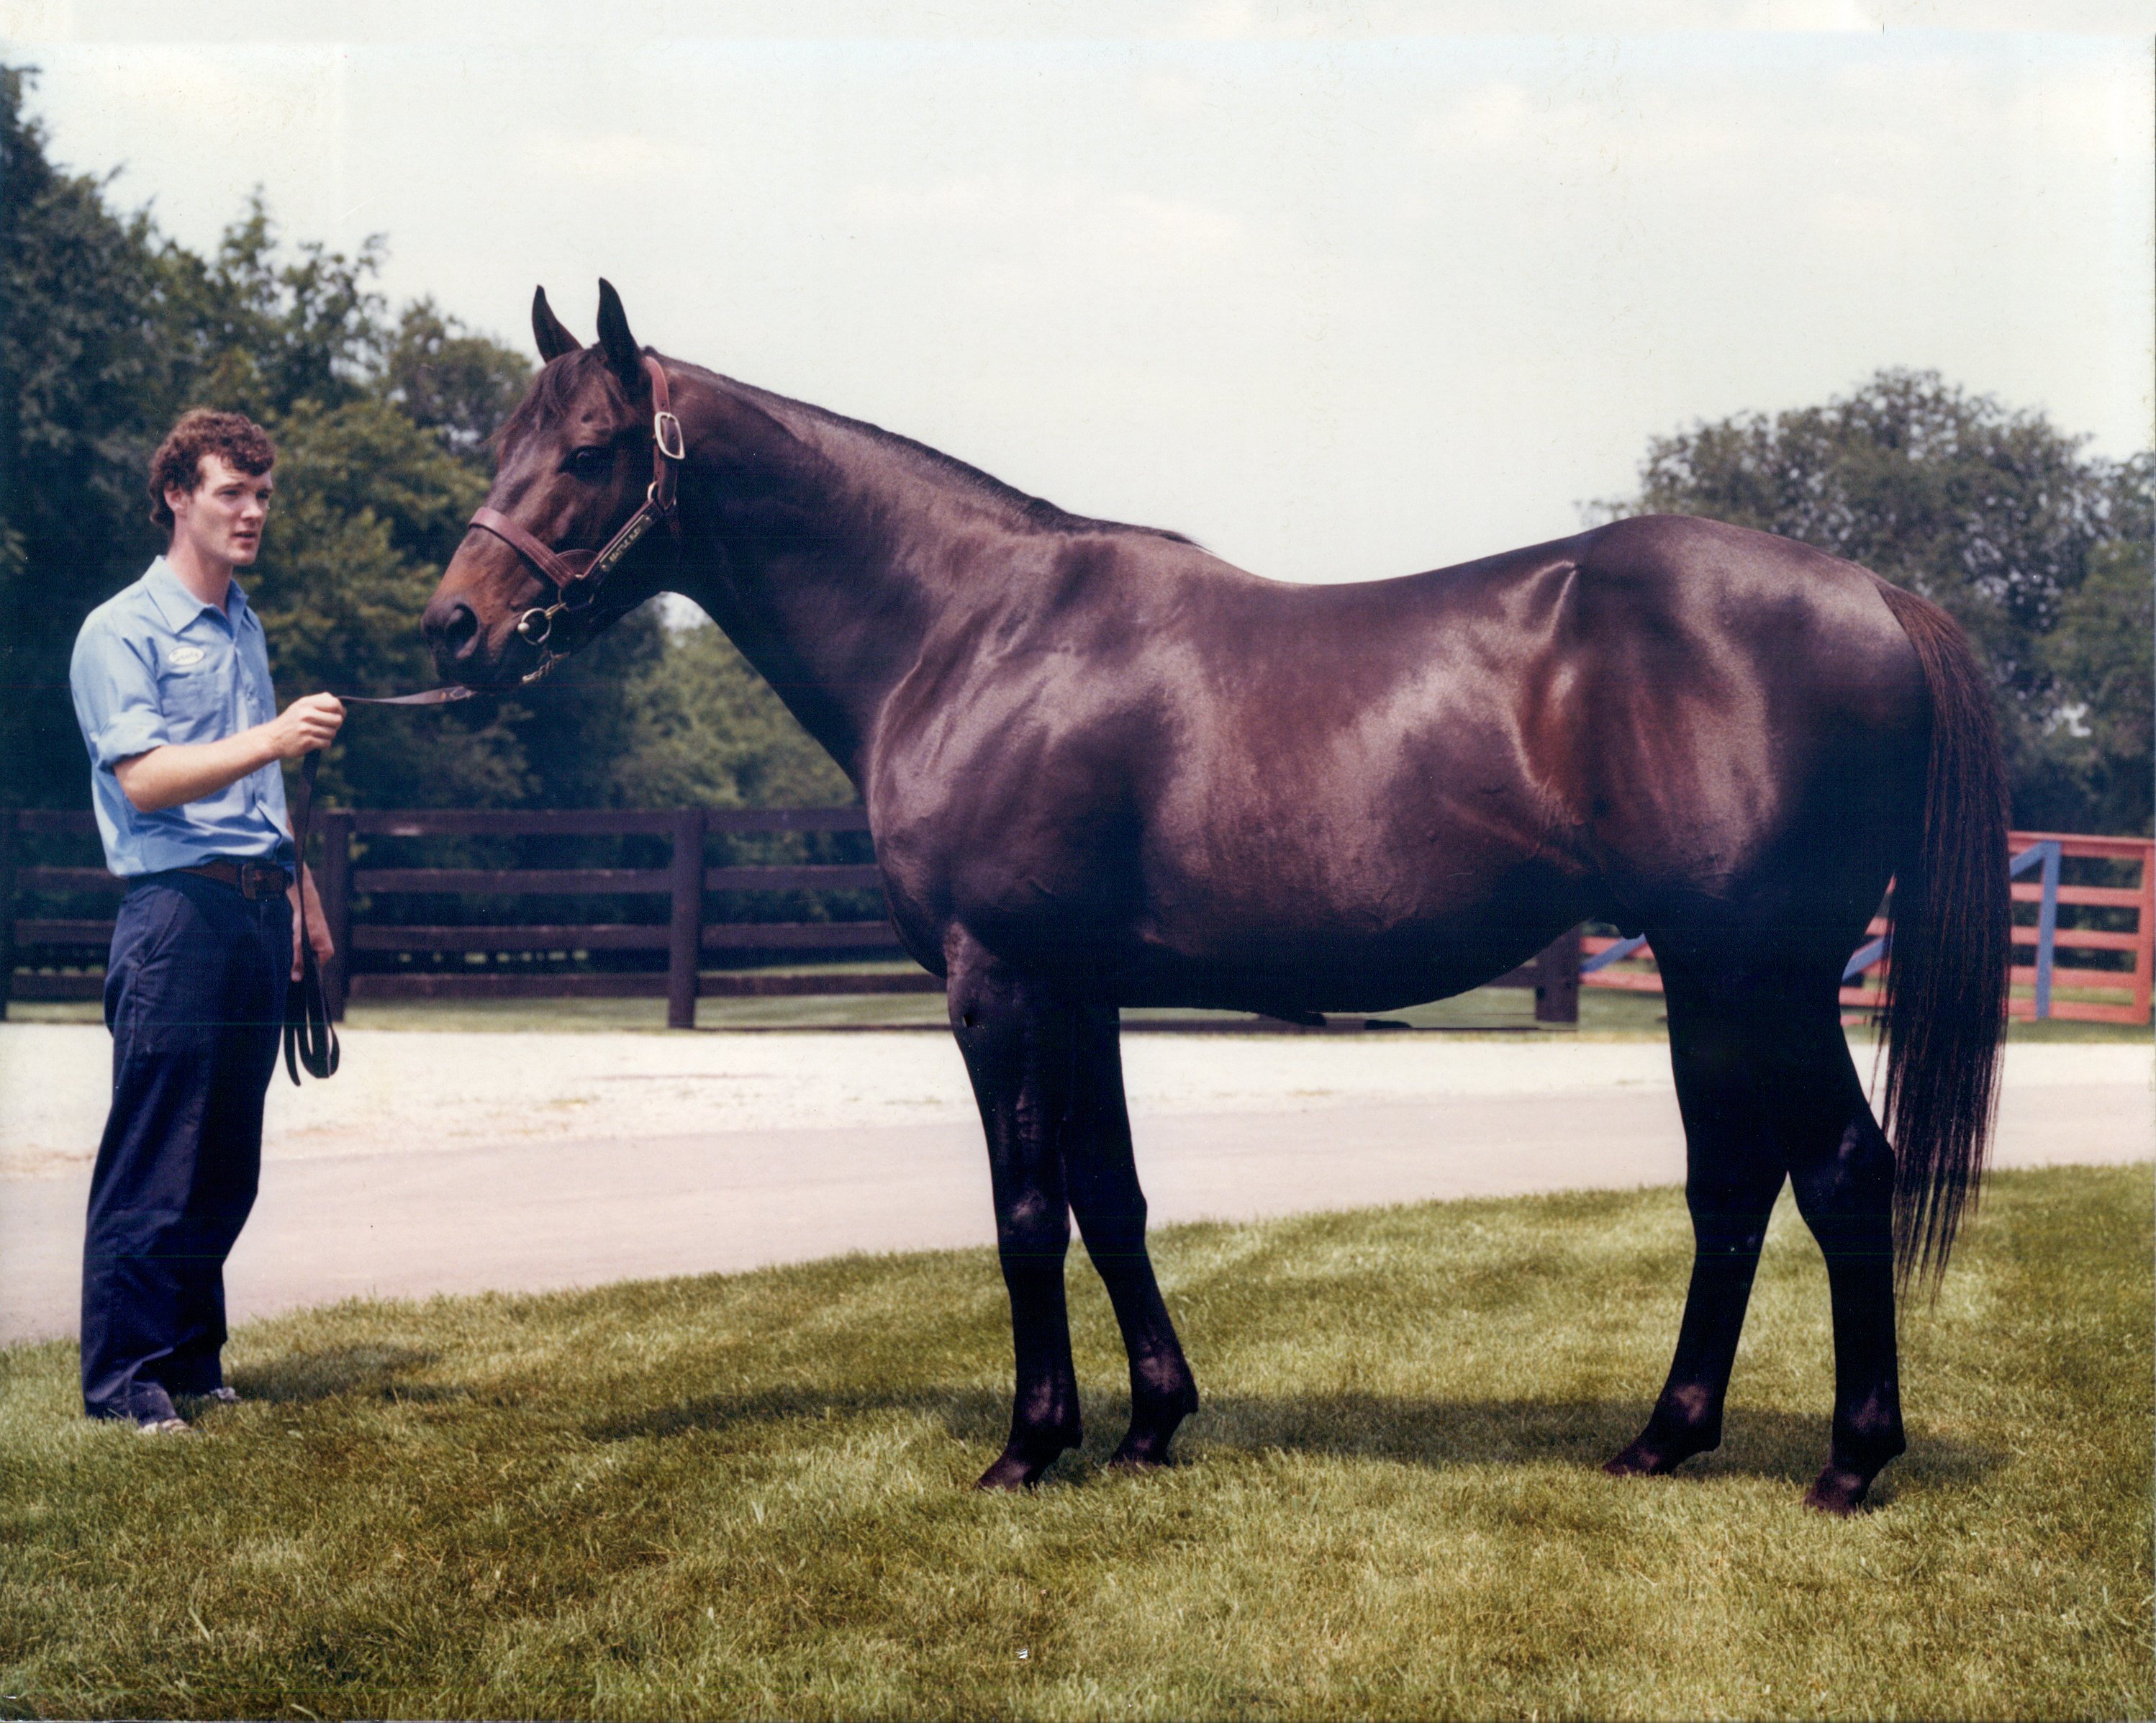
194	996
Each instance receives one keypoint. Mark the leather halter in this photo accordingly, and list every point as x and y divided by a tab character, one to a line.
311	1039
576	590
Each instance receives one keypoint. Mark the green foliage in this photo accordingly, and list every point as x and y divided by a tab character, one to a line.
83	379
709	732
457	384
747	1494
258	334
369	506
2043	553
2099	660
111	330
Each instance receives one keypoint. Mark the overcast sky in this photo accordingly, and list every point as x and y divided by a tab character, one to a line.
1340	290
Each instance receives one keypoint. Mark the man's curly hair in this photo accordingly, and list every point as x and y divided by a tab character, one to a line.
177	464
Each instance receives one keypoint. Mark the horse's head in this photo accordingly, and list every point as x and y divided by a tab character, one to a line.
576	465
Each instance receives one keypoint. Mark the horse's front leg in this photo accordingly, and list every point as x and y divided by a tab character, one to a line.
1017	1038
1103	1183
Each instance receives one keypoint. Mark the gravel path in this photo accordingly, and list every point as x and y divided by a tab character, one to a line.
460	1161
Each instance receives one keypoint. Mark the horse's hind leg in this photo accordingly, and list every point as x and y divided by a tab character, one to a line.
1101	1176
1733	1171
1019	1042
1845	1188
1766	1088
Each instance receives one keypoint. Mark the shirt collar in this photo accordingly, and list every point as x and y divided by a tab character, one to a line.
178	606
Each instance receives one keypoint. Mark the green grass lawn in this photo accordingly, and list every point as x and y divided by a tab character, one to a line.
747	1494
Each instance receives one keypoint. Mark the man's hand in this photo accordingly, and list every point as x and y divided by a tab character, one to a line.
306	724
188	771
318	926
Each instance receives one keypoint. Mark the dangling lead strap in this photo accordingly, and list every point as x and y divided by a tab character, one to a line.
311	1039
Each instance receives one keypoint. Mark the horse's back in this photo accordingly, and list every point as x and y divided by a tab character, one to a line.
1182	764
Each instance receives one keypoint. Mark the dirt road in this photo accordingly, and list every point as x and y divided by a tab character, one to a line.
444	1163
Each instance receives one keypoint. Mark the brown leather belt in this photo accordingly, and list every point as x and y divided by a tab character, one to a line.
253	880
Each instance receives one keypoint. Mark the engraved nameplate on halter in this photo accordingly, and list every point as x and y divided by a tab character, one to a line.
624	542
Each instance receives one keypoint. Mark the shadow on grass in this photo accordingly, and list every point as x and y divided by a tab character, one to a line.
370	1372
1758	1441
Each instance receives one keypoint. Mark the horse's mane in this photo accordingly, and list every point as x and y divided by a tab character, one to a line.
1037	511
556	386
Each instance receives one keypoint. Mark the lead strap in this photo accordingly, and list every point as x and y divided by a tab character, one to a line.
311	1039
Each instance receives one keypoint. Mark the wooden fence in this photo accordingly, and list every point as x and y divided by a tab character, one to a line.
2123	991
381	958
736	954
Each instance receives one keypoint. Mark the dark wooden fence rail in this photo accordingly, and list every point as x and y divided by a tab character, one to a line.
686	936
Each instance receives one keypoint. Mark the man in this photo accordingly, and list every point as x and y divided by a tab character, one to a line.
171	687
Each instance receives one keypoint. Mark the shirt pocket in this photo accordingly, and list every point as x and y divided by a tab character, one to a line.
196	699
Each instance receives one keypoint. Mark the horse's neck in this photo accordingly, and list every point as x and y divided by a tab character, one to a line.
833	587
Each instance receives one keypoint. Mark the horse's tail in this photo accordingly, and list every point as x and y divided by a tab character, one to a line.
1947	979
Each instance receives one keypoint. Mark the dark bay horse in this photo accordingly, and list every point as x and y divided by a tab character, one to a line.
1103	768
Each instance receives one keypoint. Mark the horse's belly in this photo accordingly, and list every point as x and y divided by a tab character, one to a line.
1344	957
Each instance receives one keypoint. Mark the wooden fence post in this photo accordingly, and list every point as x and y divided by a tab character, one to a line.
1557	981
333	883
684	928
8	824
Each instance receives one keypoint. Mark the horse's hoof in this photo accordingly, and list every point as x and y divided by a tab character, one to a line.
1837	1491
1133	1456
1018	1469
1642	1460
1144	1446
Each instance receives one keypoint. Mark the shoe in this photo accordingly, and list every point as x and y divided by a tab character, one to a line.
165	1427
224	1396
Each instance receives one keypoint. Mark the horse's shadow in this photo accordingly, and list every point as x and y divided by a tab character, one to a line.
1440	1435
1437	1434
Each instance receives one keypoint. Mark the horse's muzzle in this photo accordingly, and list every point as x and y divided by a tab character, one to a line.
452	629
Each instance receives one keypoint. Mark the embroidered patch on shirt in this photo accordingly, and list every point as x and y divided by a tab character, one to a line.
185	657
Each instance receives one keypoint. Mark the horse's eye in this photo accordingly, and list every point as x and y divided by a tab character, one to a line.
590	463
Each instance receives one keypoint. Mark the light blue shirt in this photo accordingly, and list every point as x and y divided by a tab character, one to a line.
154	664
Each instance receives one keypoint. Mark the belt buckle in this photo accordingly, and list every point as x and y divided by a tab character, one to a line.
259	880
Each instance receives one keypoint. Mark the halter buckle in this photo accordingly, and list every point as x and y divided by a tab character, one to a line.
666	432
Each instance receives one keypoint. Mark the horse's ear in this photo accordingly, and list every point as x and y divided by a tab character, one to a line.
621	349
547	329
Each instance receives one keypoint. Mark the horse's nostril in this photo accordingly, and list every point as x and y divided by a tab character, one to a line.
457	631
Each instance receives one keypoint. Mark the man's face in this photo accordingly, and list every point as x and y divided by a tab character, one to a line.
220	518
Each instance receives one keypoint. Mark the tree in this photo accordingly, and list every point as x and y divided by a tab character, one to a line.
257	333
369	507
457	384
83	379
110	330
2099	663
2036	547
707	731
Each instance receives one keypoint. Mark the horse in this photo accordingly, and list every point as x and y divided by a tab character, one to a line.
1105	768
